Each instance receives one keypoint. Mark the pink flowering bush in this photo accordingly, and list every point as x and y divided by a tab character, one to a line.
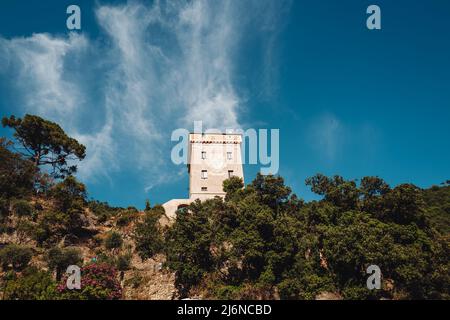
98	282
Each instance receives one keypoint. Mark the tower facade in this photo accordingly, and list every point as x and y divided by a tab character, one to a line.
212	158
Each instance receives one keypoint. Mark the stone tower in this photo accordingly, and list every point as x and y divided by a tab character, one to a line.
212	158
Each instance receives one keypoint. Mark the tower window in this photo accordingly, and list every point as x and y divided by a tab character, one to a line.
230	173
203	155
204	188
229	156
204	174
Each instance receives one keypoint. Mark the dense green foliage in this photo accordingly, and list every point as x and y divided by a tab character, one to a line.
15	256
147	235
16	181
65	218
262	241
113	241
126	216
22	208
16	174
103	210
438	207
60	258
33	284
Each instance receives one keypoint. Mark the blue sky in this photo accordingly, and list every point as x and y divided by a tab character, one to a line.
347	100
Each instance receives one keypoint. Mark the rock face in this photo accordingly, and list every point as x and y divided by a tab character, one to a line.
145	280
149	281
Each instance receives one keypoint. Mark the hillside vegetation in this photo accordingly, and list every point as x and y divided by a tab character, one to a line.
260	242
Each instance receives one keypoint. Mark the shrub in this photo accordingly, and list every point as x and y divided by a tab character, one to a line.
103	257
113	240
102	217
25	228
102	210
148	237
123	262
41	234
52	225
59	259
135	281
16	174
69	194
22	208
126	217
98	282
15	255
148	207
31	285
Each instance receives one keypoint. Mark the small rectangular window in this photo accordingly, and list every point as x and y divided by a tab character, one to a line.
204	188
229	156
203	155
204	174
230	173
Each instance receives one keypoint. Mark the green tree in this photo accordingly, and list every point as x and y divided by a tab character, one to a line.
123	262
103	210
22	208
32	284
232	186
69	197
188	247
271	190
262	237
16	174
69	194
340	192
147	205
373	186
404	205
148	235
45	143
437	200
126	216
59	259
15	255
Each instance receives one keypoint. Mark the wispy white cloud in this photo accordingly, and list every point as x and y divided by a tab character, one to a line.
207	34
270	27
162	180
39	62
327	135
153	68
330	138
